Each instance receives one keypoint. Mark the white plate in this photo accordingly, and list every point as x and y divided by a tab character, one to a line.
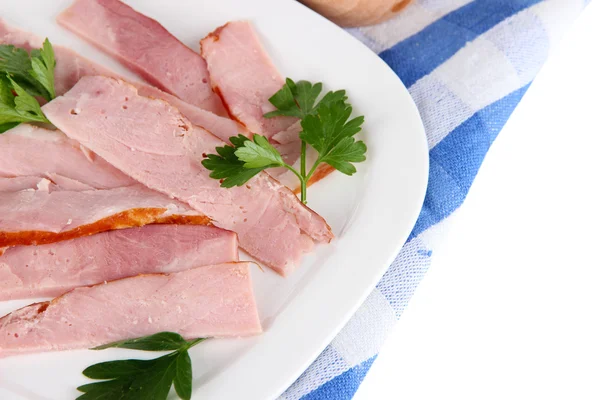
371	213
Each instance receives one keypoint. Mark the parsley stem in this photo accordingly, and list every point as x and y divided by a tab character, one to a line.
303	172
194	342
313	169
302	182
294	171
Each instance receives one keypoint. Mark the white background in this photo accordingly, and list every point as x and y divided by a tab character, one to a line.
510	308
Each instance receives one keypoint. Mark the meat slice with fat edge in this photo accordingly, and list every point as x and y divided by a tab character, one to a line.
245	78
243	75
52	189
53	269
153	143
210	301
39	216
145	46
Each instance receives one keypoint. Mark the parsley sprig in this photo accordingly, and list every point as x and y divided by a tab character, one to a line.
23	77
326	127
143	379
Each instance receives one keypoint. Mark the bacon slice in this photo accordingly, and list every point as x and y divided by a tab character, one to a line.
145	46
53	269
153	143
243	75
46	216
70	67
208	301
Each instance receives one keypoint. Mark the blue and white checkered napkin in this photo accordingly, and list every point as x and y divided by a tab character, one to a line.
467	64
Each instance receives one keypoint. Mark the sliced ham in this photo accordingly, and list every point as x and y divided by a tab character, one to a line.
53	269
210	301
145	46
52	189
59	182
27	150
53	183
70	67
243	75
46	216
153	143
19	183
221	127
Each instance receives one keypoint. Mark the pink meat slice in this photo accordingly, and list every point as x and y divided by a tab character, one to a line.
145	46
59	182
221	127
243	75
153	143
70	67
19	183
47	216
210	301
27	150
53	183
53	269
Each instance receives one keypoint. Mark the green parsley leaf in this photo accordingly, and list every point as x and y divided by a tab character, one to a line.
8	126
297	99
108	390
23	77
227	166
16	109
143	379
326	126
43	63
117	369
7	103
259	154
26	105
161	341
183	376
17	63
343	153
324	130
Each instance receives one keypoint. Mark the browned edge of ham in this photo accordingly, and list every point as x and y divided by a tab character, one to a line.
126	219
210	301
243	74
